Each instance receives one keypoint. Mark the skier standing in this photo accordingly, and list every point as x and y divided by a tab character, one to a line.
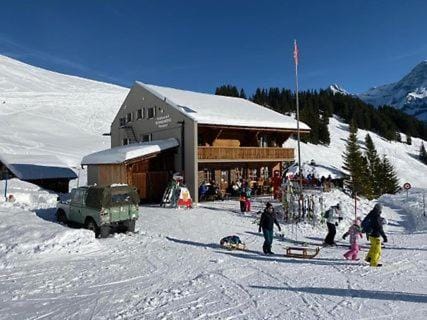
268	219
373	226
355	232
333	216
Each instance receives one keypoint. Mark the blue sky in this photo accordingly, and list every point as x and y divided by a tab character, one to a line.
199	45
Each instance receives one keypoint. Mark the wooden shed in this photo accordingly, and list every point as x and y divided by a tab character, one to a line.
148	166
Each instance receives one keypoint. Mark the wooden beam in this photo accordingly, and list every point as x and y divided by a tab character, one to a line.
253	128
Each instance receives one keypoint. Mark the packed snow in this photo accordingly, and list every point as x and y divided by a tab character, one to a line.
173	266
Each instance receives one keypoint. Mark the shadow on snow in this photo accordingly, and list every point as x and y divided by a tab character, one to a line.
355	293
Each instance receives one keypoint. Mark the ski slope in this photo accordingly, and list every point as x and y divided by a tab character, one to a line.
44	112
173	267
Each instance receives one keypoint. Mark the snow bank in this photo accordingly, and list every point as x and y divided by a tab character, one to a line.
28	227
24	234
411	205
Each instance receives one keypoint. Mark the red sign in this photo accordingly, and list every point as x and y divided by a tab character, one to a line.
407	186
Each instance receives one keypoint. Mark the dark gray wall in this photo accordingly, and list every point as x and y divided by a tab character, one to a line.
167	123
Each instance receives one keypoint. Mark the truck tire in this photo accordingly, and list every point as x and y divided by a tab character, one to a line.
130	225
61	217
91	225
104	231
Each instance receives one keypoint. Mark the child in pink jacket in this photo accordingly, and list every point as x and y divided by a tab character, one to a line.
355	232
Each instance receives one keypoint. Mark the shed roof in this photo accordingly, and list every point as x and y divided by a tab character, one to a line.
220	110
129	152
36	167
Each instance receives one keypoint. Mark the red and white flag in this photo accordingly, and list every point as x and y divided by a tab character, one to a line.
296	52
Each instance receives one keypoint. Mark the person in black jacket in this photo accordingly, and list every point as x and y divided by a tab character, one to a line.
268	219
375	231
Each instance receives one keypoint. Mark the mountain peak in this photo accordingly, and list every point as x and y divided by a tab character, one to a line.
335	88
408	94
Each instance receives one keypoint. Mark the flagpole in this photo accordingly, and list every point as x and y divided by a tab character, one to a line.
296	53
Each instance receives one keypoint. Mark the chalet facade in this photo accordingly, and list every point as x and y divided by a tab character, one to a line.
219	138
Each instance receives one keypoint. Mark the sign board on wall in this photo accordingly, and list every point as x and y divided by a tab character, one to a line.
163	121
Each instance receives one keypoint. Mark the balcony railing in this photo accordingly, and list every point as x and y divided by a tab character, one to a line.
234	154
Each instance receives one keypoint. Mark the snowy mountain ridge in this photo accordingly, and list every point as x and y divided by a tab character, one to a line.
408	94
335	88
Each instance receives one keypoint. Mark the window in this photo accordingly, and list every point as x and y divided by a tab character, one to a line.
139	114
125	141
129	117
122	122
77	197
151	113
146	137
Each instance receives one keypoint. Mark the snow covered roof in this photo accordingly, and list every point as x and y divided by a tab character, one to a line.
220	110
36	167
129	152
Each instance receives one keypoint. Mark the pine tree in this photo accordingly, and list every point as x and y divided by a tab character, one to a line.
324	136
353	162
423	154
389	181
227	90
373	164
242	94
408	139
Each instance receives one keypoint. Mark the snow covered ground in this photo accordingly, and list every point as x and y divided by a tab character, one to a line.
173	268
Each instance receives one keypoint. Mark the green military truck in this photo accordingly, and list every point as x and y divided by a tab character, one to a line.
101	209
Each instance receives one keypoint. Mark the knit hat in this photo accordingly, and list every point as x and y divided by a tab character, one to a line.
378	206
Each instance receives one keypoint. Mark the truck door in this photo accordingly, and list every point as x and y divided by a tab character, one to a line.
76	206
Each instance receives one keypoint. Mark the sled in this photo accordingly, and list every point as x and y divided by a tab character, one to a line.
234	246
302	252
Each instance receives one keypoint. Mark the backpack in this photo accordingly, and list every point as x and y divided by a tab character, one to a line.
367	225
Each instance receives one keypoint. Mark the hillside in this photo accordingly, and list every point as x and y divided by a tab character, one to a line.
402	156
47	112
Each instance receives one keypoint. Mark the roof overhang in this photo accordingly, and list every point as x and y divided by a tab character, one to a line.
130	152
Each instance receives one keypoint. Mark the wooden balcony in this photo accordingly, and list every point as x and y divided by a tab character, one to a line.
244	154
